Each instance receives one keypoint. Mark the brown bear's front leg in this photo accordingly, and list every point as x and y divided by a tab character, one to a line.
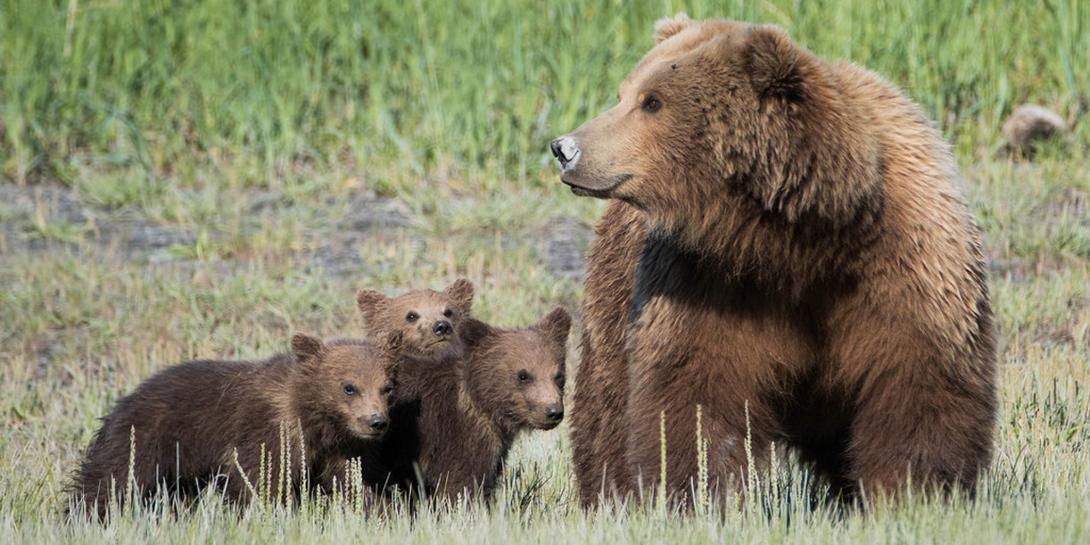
730	364
601	384
672	391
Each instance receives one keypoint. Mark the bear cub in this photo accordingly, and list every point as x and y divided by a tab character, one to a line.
426	320
189	421
454	418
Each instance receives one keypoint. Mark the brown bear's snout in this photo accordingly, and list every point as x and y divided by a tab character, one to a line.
377	423
566	152
582	174
442	328
554	412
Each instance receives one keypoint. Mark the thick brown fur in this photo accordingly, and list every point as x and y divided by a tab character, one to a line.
191	418
426	320
454	418
788	245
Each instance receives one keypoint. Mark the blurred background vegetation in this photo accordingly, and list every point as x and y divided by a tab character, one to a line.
200	178
469	90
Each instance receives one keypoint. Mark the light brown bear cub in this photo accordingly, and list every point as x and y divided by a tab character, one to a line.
189	420
426	320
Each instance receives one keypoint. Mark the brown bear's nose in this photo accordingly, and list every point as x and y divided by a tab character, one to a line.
566	151
377	422
442	328
554	412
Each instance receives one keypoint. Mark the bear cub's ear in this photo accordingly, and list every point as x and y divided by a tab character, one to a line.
473	332
668	26
305	347
772	62
556	325
370	303
391	350
460	294
392	344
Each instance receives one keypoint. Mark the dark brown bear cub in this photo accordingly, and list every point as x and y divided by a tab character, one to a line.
427	320
189	421
454	418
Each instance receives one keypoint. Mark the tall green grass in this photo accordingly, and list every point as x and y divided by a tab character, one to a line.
260	128
86	329
466	89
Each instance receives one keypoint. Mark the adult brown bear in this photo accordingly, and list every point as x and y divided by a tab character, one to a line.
787	247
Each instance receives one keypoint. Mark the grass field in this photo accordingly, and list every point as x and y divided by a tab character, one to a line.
203	178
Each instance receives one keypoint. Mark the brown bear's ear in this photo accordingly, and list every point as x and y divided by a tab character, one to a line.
772	62
473	332
370	303
305	347
556	324
668	26
460	294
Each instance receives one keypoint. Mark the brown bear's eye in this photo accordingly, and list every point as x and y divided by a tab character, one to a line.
523	377
448	313
349	389
652	104
559	379
387	388
411	316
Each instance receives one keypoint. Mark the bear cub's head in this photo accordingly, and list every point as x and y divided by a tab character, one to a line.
518	375
426	320
347	383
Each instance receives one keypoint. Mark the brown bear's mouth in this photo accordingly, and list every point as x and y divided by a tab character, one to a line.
546	425
437	342
368	435
604	192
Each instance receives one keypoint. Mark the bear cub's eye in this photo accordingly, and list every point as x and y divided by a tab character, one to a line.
411	316
523	376
349	389
387	388
651	104
448	313
559	380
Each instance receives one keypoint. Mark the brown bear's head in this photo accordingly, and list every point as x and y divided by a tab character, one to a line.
721	116
347	383
517	376
426	319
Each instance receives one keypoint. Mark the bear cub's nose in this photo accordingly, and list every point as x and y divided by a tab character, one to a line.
554	412
442	328
566	151
377	422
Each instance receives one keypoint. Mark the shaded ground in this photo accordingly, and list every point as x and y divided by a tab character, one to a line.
52	217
